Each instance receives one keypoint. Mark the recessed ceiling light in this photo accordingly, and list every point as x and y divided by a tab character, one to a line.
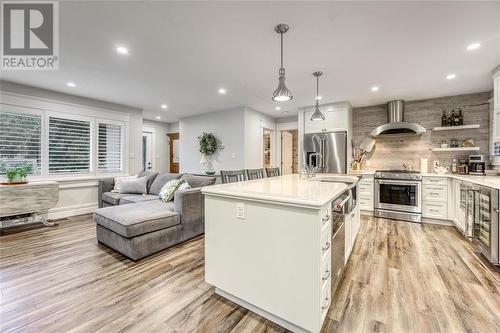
374	88
164	106
319	98
278	108
222	91
121	50
71	84
451	76
158	117
473	46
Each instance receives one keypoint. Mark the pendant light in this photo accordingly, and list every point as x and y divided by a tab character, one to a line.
281	94
317	115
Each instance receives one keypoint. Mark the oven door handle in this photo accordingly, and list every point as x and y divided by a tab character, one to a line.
398	182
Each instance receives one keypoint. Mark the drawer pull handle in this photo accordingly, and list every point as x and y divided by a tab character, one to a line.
326	276
324	307
326	218
326	247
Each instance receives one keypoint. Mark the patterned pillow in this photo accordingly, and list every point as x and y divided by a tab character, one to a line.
172	186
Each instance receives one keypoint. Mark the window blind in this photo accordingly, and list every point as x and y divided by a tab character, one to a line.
109	147
69	145
20	139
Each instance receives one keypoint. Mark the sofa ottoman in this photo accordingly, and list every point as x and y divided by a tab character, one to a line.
137	230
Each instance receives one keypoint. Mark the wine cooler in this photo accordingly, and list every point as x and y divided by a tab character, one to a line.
486	221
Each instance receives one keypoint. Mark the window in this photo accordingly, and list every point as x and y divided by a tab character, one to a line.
69	146
20	139
109	148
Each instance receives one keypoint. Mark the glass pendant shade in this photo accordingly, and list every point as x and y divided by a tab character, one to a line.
282	93
317	114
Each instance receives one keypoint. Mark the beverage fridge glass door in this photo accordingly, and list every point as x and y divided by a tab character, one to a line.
486	223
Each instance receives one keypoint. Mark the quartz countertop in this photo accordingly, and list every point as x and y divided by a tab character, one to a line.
490	181
288	190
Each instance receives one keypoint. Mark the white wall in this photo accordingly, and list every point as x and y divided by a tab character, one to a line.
78	195
226	125
161	158
173	127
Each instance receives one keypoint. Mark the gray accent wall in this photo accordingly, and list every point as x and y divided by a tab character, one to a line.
391	151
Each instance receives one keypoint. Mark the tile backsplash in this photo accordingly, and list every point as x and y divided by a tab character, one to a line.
391	152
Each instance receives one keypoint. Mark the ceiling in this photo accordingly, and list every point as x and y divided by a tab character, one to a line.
181	53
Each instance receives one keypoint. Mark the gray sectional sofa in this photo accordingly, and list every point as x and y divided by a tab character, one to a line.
140	225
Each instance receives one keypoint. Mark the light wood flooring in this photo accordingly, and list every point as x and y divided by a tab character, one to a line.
401	277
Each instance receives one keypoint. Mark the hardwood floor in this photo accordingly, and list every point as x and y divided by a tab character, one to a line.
401	277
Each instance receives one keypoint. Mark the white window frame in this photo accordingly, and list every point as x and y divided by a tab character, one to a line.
96	143
46	108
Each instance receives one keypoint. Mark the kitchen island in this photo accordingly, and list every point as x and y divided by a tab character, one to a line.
268	246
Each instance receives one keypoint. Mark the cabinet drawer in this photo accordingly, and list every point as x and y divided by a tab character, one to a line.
365	204
362	187
435	181
325	271
325	217
365	195
435	210
435	193
366	181
326	243
325	300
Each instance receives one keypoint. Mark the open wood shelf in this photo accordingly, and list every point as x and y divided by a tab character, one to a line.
456	149
452	128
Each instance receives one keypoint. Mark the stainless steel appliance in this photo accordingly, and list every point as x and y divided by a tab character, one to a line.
398	195
467	207
341	207
486	223
396	123
326	151
477	164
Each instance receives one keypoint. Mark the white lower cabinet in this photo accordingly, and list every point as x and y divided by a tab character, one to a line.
459	210
365	193
352	224
435	198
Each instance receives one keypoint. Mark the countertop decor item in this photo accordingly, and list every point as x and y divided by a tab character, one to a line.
208	147
16	173
317	115
468	143
282	93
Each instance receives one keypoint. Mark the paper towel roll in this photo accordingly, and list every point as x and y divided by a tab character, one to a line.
424	165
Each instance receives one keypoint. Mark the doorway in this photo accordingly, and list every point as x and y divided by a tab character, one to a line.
173	144
266	147
147	151
289	151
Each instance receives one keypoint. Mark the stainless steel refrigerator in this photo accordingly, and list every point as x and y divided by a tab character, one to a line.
326	151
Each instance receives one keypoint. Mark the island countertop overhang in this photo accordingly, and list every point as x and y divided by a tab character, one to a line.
312	193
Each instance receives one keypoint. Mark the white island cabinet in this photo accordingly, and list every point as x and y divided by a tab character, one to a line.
267	247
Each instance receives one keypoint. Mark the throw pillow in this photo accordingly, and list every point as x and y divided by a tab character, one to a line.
134	186
172	186
119	180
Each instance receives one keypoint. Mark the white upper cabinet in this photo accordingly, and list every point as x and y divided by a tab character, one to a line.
337	117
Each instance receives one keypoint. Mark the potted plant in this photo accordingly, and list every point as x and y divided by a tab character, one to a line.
208	147
16	174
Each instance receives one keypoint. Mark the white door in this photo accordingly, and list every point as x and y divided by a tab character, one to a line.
286	153
147	151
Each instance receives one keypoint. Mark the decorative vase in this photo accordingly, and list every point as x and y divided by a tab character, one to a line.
208	167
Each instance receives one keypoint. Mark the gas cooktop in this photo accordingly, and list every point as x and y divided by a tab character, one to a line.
398	174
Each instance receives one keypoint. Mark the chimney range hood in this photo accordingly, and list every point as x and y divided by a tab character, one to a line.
396	123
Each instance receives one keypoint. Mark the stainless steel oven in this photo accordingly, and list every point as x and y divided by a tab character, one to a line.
398	195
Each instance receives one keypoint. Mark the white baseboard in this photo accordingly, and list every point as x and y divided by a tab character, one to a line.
68	211
283	323
436	221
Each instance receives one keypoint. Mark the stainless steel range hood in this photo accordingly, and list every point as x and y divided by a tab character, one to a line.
396	123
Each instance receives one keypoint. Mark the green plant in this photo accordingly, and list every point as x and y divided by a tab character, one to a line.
16	172
208	143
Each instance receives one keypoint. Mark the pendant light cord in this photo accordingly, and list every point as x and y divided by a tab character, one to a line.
317	90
